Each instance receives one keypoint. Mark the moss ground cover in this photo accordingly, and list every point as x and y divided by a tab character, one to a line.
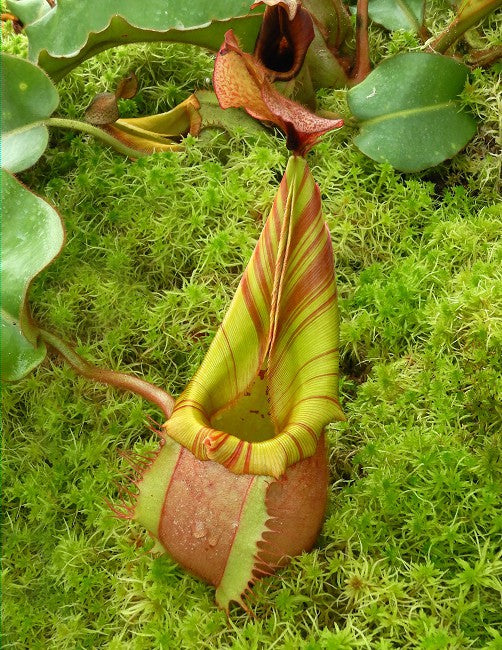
409	556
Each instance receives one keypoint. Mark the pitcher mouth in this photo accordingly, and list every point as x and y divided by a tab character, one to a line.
283	42
247	420
249	417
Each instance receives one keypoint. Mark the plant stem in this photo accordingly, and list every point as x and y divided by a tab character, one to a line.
362	67
96	132
148	391
470	13
485	58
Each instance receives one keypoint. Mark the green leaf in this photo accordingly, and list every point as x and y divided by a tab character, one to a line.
32	235
410	111
74	30
397	14
28	97
268	384
29	10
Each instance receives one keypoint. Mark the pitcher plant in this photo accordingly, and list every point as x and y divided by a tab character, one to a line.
239	483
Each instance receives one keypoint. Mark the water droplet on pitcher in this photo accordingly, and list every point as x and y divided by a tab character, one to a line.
199	530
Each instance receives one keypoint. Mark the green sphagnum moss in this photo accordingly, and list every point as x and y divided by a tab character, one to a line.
409	556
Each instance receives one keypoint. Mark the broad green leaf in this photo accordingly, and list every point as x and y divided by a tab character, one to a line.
74	30
269	382
410	111
397	14
32	235
28	97
28	11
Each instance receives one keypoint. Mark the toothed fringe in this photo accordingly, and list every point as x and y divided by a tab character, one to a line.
123	510
262	568
139	464
154	426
